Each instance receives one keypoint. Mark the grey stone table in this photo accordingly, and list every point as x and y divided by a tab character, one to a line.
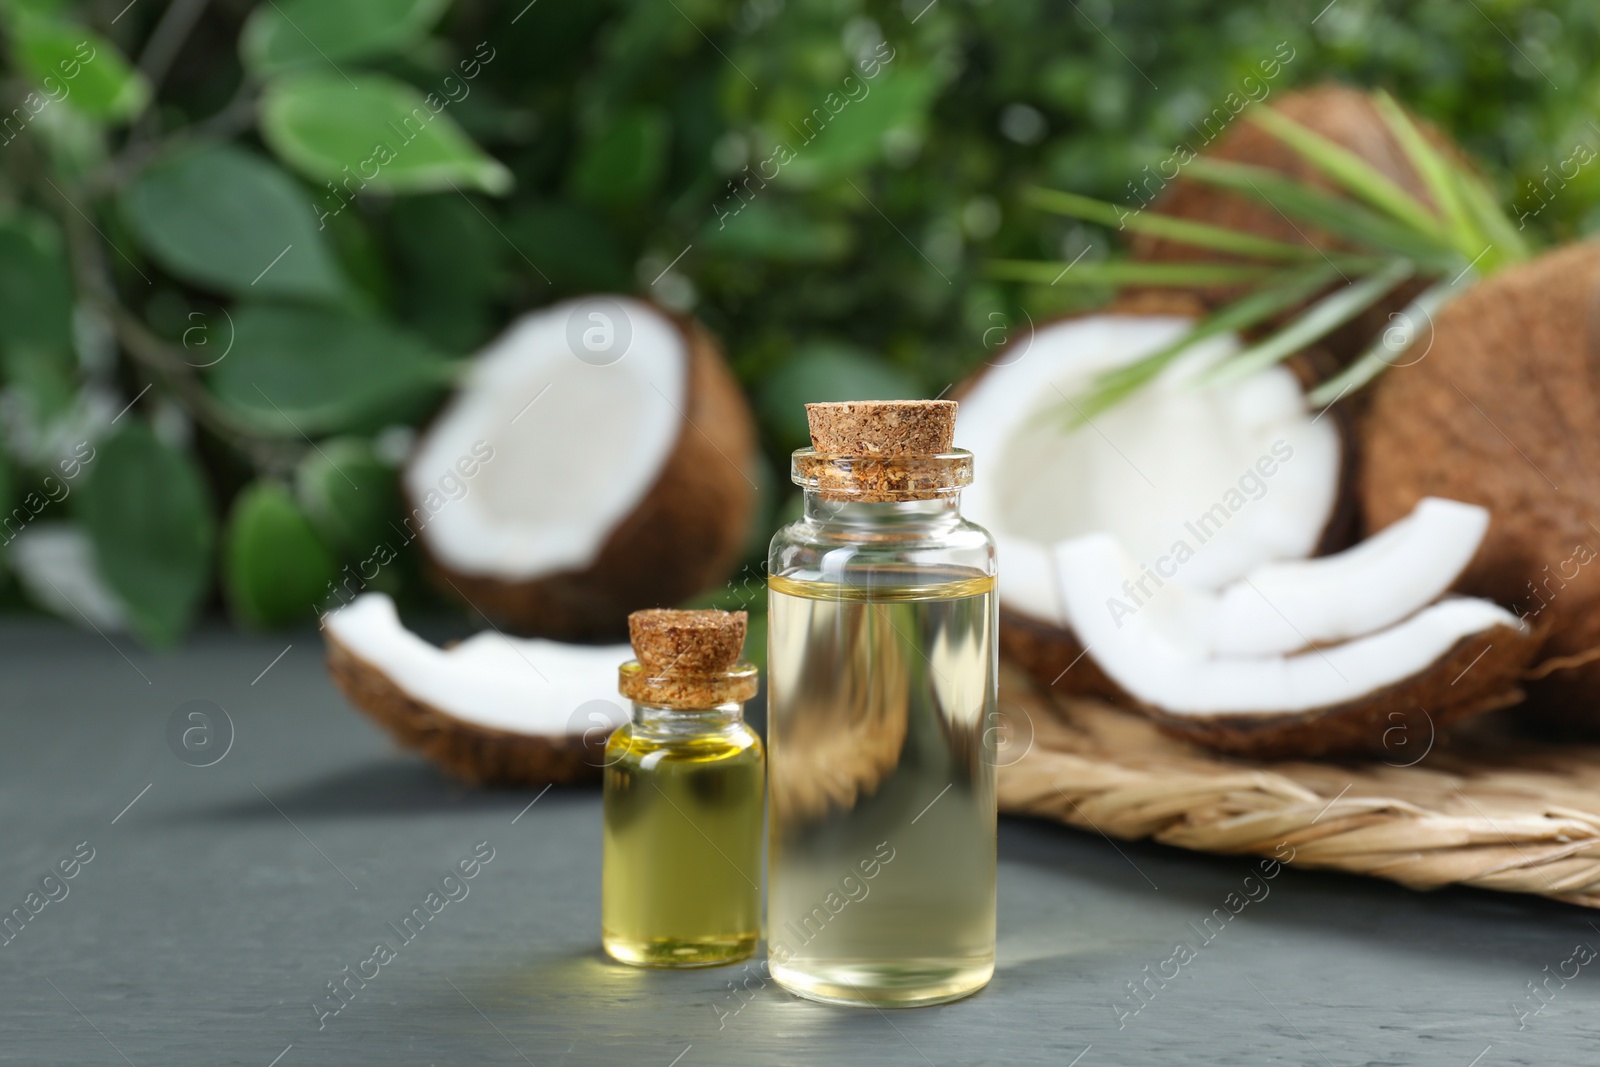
221	901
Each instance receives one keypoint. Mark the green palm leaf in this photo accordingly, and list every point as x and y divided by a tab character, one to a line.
1320	319
1183	231
1358	177
1127	272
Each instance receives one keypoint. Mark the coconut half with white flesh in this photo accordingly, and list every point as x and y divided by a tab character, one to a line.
1202	484
593	461
1336	655
492	709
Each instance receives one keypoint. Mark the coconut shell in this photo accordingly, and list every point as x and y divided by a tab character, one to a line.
1504	411
1480	674
685	536
1347	117
475	753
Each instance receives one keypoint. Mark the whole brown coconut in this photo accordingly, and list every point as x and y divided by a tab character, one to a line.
1343	115
682	532
1504	411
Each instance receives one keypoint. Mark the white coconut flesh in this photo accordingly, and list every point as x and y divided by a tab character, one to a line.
1283	607
1162	654
574	445
1207	482
519	685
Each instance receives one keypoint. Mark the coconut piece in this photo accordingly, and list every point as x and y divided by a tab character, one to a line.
1457	657
562	488
1503	413
1287	607
1240	474
1344	116
491	709
1282	607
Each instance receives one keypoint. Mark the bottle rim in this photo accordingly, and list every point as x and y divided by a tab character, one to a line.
881	478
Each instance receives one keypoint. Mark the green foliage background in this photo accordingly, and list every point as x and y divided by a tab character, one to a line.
590	146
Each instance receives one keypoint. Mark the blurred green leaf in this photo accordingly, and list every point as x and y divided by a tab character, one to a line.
35	284
294	33
78	67
576	250
226	219
623	162
309	371
8	490
841	136
148	514
449	257
46	378
781	233
373	132
349	494
820	373
34	7
275	570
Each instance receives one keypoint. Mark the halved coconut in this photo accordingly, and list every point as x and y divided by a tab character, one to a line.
593	461
1505	412
1362	662
1204	484
492	709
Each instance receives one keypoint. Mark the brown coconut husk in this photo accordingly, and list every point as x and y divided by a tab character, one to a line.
1345	116
685	536
1052	656
1480	674
1504	411
466	750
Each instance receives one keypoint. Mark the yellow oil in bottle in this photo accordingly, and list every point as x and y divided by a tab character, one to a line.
881	854
682	840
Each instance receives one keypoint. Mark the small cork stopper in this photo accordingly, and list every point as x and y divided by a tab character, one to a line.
883	427
687	659
687	642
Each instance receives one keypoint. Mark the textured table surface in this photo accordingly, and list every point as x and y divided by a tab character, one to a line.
221	900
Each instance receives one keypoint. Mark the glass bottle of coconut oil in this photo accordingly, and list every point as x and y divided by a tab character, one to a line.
881	680
683	796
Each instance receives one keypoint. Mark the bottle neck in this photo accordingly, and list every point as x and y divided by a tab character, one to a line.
679	722
885	516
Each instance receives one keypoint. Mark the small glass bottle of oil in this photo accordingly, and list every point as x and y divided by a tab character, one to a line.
881	676
681	878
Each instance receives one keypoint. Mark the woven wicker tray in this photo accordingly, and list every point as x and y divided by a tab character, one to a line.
1478	808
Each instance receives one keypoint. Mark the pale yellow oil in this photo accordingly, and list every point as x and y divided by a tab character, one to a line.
682	847
881	851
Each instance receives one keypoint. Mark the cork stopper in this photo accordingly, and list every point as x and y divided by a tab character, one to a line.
883	427
687	659
876	451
